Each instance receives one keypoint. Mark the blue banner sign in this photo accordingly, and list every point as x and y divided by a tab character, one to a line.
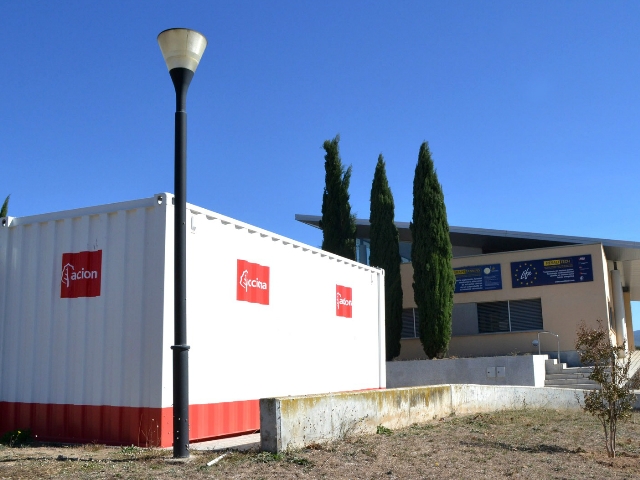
552	271
478	278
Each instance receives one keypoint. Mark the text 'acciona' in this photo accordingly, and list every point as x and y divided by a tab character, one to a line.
246	282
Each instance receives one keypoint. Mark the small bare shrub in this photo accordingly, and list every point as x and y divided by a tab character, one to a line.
614	401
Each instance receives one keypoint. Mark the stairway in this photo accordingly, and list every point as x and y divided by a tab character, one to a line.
558	375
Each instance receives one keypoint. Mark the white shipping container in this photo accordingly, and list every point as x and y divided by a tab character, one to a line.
86	323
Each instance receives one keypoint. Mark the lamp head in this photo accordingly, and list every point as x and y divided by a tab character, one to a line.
182	48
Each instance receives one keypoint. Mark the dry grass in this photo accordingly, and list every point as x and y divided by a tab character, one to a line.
526	443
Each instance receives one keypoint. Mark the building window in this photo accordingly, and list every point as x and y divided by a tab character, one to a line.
485	317
363	249
493	317
525	315
464	319
405	252
510	316
410	323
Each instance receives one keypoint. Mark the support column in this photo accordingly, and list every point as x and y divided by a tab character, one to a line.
618	309
628	318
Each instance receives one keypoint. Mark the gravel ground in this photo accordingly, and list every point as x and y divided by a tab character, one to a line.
525	443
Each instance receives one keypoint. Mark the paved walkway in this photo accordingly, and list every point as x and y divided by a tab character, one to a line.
242	442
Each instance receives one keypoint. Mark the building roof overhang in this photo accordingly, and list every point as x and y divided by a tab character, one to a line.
494	241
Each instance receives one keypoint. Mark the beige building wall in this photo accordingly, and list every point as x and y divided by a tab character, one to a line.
564	306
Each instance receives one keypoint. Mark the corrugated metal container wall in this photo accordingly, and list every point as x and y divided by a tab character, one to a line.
266	316
85	368
294	345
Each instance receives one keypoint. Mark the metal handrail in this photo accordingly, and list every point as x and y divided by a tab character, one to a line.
555	335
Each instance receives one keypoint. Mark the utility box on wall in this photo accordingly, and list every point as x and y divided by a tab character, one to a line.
86	323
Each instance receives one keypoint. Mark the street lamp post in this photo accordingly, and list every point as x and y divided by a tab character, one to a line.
182	50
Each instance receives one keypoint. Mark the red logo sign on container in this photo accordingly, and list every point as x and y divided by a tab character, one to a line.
344	302
252	283
81	274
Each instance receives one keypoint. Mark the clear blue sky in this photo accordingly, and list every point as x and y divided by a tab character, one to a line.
531	109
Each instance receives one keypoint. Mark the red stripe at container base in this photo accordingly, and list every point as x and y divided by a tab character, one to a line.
144	427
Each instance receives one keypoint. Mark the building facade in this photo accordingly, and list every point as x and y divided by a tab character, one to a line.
520	293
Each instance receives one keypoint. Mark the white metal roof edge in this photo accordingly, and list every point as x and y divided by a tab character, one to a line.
79	212
211	215
163	197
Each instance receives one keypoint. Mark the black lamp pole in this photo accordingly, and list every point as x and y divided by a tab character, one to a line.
182	50
181	79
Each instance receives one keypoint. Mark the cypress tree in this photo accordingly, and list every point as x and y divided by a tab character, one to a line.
337	224
433	279
385	253
5	207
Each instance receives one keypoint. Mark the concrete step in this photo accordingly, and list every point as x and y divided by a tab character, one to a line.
568	376
573	372
552	366
586	370
568	381
577	386
559	376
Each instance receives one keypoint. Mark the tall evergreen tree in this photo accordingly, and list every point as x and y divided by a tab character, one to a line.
385	253
433	279
5	207
338	225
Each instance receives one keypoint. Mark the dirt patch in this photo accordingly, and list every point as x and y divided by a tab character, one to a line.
526	443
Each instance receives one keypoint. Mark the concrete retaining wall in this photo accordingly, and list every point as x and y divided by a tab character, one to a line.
293	422
528	370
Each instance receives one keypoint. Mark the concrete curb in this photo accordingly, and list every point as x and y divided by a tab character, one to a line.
294	422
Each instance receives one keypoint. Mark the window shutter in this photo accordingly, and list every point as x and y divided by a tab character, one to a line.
493	317
526	314
408	329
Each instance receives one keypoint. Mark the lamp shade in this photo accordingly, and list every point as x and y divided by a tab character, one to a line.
182	48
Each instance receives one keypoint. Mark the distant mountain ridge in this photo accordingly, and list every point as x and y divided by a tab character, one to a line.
636	337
